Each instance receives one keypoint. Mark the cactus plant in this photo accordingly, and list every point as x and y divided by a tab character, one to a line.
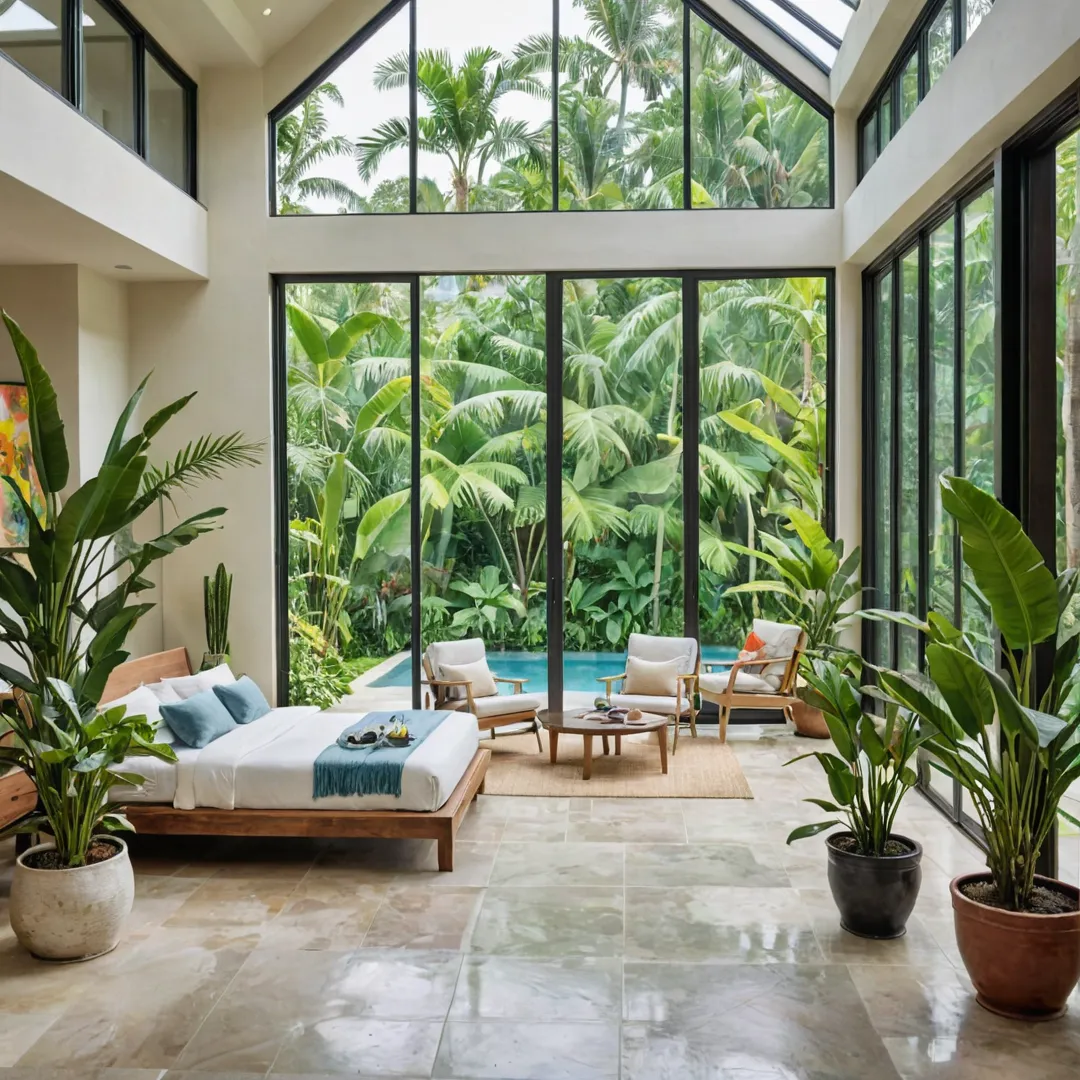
217	592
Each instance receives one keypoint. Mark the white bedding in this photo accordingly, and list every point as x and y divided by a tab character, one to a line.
269	765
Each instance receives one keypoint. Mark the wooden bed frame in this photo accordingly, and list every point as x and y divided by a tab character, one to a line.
163	820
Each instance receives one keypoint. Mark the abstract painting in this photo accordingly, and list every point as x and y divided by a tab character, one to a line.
16	461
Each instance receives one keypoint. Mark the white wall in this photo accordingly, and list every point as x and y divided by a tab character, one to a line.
1021	57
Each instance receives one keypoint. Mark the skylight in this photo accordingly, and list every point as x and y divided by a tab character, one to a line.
815	27
20	17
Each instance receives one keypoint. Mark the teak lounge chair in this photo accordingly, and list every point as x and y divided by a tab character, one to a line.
491	710
656	650
762	683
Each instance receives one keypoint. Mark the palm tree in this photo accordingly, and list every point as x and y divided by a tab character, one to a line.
463	123
302	143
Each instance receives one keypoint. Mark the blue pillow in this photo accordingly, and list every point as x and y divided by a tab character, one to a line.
199	720
243	699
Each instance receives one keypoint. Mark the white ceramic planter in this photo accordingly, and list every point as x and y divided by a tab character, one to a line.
72	914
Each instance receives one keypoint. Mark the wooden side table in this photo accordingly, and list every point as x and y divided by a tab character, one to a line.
573	722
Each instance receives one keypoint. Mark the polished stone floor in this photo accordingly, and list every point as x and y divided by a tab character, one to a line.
577	940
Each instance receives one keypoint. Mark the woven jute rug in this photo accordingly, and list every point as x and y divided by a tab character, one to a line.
703	768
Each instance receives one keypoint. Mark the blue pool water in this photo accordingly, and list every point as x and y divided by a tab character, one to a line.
580	669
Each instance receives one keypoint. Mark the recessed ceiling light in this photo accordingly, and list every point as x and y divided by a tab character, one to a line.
122	266
266	11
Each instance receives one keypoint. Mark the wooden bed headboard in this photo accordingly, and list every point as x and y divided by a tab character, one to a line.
171	664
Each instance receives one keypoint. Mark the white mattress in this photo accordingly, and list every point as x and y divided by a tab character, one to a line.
269	765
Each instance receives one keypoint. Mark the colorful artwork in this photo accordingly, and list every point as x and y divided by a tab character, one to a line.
16	461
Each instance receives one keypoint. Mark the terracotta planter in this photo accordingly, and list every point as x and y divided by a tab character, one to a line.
74	914
1022	966
809	722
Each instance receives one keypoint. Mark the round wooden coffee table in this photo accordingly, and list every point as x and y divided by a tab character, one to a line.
573	722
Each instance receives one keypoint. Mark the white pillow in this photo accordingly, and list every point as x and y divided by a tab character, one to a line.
189	685
478	673
165	695
656	678
143	701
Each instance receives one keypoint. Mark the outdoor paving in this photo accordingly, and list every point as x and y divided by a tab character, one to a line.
695	946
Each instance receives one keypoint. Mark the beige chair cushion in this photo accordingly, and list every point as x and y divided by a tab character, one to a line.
662	706
478	673
465	651
504	705
652	647
780	640
656	677
745	683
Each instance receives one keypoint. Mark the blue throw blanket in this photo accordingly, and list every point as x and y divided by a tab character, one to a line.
374	768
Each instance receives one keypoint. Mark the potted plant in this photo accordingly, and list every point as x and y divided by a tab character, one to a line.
814	589
67	610
1016	754
217	595
874	873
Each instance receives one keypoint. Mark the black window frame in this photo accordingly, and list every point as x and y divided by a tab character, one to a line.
73	80
554	288
950	209
690	7
917	40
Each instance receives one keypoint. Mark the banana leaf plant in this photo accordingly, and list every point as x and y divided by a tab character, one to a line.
815	583
870	773
1014	750
67	597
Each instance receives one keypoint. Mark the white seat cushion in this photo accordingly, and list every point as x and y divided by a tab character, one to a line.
780	640
745	683
503	704
662	706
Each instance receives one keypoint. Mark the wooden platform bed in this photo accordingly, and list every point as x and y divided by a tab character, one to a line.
163	820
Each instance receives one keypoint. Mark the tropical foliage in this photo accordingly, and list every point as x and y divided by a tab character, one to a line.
483	456
484	129
870	772
1014	751
70	600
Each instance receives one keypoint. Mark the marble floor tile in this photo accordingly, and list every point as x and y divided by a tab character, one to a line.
549	922
414	917
520	864
509	988
324	914
699	864
472	866
538	1051
19	1031
716	923
356	1045
906	1002
282	995
30	1073
233	902
660	830
551	829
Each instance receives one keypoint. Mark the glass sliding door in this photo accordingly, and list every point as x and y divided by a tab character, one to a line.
1068	485
483	469
763	347
908	585
622	476
347	481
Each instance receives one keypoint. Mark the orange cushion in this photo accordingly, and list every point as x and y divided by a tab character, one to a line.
753	643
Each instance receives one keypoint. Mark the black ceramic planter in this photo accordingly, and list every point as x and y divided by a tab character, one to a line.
875	894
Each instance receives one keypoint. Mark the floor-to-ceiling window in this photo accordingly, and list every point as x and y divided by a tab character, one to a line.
549	105
931	412
424	491
1068	472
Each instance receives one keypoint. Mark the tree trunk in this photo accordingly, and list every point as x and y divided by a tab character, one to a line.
461	192
1071	397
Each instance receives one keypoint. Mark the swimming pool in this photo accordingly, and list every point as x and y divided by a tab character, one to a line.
580	669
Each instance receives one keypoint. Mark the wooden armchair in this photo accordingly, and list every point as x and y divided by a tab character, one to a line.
739	688
491	710
679	704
